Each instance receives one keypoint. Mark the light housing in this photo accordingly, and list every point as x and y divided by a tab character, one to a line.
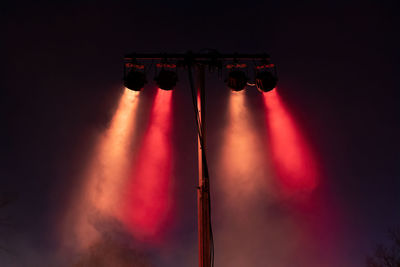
237	80
134	76
166	79
135	80
266	81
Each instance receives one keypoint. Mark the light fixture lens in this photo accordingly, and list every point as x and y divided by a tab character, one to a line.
135	80
237	80
166	79
266	81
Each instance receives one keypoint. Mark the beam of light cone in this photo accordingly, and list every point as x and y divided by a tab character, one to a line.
106	173
114	155
242	158
148	205
296	166
293	159
242	187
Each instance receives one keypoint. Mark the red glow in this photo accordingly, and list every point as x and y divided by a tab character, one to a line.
148	204
293	159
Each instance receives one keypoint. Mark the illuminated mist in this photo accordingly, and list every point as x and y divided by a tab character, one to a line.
293	159
298	175
265	212
242	153
250	226
125	197
106	174
148	198
260	165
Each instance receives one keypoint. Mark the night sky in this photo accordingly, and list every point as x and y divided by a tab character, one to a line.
61	87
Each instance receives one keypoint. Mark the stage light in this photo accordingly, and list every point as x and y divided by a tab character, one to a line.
266	81
134	76
266	78
237	80
135	80
166	79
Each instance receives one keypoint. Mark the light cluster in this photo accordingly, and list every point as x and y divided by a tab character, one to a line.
236	73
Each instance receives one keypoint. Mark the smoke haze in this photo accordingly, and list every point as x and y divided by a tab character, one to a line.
71	135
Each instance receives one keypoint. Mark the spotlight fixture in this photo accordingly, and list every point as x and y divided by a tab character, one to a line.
237	79
134	78
166	78
266	80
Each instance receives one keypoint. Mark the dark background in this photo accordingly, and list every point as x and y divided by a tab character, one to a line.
61	73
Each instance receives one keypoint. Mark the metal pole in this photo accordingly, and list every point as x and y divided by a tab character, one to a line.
203	193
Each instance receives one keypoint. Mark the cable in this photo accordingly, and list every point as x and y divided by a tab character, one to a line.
195	106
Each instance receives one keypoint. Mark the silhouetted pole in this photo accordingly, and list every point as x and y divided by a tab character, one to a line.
203	191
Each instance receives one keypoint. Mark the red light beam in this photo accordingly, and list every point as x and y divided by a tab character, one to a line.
148	205
293	159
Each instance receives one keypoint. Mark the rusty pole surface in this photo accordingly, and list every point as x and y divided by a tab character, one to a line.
203	191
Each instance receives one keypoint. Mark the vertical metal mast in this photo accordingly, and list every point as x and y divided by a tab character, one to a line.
203	194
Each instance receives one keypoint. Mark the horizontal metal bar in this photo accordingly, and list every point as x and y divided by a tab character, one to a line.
195	56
